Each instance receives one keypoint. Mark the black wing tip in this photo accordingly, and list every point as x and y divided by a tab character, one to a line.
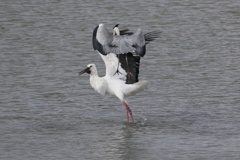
96	45
126	32
151	36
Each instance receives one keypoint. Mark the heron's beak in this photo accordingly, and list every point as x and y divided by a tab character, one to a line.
86	70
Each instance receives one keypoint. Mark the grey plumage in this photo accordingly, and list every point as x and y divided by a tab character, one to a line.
127	48
150	36
106	43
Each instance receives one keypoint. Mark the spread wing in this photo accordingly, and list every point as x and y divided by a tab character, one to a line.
106	43
121	54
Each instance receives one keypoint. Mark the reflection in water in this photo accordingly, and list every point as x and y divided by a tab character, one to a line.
119	142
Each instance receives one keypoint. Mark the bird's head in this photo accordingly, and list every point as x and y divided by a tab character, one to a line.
116	25
91	69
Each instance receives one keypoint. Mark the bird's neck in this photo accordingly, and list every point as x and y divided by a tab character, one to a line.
116	32
94	78
98	83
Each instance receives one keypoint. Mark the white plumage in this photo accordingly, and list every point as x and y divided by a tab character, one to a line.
121	55
114	84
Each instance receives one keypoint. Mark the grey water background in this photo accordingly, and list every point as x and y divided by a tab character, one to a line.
190	111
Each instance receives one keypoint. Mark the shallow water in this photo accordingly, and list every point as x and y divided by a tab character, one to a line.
190	111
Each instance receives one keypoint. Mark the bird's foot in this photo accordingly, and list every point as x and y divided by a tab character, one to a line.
129	74
117	72
130	112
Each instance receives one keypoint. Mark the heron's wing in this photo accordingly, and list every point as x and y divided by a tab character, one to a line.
124	44
121	54
101	39
106	43
139	43
121	45
151	36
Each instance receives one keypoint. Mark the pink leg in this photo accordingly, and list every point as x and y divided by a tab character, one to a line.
128	111
127	116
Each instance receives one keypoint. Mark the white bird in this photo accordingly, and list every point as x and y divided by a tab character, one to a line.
120	53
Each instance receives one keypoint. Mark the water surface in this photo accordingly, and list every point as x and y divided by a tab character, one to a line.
191	108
